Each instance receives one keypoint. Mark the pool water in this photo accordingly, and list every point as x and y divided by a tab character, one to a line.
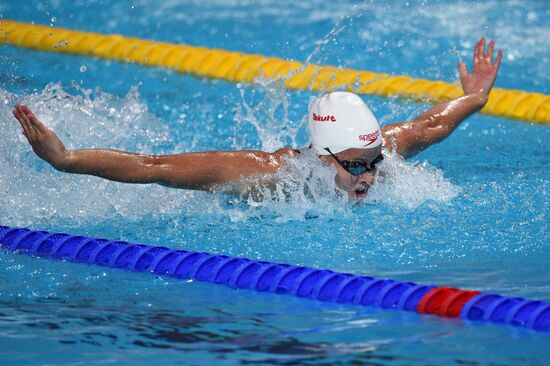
471	212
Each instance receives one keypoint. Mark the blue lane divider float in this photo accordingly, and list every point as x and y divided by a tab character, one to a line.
515	311
319	284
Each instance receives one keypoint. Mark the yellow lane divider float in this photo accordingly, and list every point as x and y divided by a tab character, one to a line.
241	67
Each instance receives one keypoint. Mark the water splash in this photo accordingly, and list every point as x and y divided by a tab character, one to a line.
303	188
265	107
33	193
406	185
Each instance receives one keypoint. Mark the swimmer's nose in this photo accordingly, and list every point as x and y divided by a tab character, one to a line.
366	178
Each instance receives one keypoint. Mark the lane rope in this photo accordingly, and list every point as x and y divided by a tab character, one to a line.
277	278
245	68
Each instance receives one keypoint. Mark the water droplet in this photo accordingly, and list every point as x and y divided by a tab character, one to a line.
82	68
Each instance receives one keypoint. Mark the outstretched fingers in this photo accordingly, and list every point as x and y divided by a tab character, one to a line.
28	130
484	70
489	54
499	57
44	142
32	126
33	120
478	51
462	70
486	58
16	115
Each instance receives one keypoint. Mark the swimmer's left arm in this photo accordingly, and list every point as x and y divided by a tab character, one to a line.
410	138
436	124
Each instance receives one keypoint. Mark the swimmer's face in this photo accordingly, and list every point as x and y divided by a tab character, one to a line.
357	186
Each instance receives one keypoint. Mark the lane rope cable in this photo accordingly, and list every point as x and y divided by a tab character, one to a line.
241	67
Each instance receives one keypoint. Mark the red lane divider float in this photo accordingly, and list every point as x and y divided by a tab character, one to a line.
445	301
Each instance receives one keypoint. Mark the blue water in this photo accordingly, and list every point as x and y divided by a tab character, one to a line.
470	212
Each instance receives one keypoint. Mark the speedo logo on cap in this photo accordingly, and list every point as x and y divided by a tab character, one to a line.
327	118
369	138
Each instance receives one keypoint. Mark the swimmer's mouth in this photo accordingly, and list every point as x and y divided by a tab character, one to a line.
361	192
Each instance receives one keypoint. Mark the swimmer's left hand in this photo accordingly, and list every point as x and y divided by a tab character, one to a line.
484	72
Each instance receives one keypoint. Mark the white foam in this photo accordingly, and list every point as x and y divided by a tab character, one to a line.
303	188
266	108
401	184
32	192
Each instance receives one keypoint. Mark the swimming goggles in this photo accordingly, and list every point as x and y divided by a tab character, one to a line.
357	167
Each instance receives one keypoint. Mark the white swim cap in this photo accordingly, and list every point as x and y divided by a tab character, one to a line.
341	121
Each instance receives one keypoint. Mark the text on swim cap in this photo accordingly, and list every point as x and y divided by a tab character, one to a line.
370	138
328	118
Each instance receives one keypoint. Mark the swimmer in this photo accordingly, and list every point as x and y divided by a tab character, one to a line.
344	133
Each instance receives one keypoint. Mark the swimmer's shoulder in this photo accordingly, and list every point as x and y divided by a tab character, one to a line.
277	158
288	151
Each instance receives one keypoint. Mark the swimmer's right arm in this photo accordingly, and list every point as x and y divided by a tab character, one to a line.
200	171
439	122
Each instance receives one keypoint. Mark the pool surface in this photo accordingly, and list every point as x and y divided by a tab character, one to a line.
470	212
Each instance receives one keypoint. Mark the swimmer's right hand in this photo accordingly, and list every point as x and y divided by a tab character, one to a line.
484	71
43	141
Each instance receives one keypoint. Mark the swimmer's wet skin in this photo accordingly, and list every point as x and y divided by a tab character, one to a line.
344	133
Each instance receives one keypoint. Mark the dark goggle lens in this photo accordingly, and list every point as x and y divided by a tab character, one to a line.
358	168
355	167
